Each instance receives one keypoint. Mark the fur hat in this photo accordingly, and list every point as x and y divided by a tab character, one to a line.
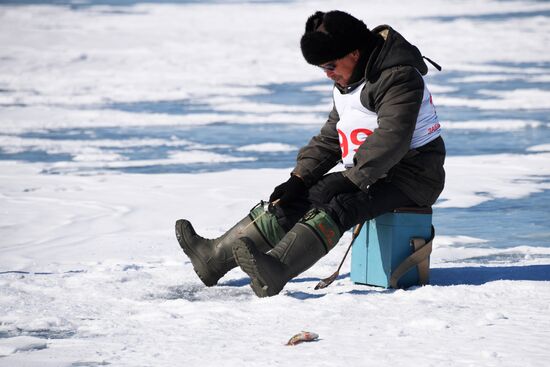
333	35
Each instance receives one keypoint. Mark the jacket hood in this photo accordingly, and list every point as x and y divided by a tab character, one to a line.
395	50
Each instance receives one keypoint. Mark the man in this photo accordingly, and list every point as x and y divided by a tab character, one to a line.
383	127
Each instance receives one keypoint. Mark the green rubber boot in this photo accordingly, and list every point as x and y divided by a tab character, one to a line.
308	241
213	258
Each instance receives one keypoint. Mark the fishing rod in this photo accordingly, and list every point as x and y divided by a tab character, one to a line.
323	283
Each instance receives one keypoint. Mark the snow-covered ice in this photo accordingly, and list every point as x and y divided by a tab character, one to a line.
208	102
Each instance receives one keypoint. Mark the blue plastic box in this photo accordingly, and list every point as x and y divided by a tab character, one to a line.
385	242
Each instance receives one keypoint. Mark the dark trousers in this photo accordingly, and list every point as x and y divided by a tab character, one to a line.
346	209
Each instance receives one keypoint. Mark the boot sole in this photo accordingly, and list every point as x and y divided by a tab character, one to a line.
199	265
244	257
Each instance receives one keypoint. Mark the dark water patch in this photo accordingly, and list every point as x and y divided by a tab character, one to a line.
503	222
491	17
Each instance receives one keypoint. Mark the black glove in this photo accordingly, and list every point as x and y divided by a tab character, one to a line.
332	185
289	191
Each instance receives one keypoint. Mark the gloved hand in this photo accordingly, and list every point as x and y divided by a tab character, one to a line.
289	190
332	185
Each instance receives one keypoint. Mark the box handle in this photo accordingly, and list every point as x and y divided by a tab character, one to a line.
422	250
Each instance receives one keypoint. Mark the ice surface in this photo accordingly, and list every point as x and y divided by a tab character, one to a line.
20	344
119	290
499	125
268	147
540	148
216	99
473	180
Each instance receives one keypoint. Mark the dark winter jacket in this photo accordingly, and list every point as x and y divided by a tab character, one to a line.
393	90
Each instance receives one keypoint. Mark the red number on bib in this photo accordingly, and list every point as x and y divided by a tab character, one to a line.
358	136
343	143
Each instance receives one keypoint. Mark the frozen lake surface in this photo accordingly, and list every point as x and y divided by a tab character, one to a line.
119	117
224	145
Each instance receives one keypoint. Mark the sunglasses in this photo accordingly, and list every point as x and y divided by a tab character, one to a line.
328	66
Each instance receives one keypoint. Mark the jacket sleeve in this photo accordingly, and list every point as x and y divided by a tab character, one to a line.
397	98
321	153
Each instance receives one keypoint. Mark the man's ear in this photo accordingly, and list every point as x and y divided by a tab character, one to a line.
355	54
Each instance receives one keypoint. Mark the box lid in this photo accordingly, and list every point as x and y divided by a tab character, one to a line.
414	209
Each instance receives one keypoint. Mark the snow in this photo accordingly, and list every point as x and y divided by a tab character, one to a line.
498	125
540	148
20	344
497	176
508	100
90	271
103	279
267	147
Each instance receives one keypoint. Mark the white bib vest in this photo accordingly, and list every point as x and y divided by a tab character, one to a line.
357	122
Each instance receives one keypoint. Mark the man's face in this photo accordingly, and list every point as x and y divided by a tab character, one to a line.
340	70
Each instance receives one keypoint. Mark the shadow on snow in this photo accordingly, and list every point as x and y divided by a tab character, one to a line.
438	277
485	274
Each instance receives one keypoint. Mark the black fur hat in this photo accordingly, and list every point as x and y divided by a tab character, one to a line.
333	35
